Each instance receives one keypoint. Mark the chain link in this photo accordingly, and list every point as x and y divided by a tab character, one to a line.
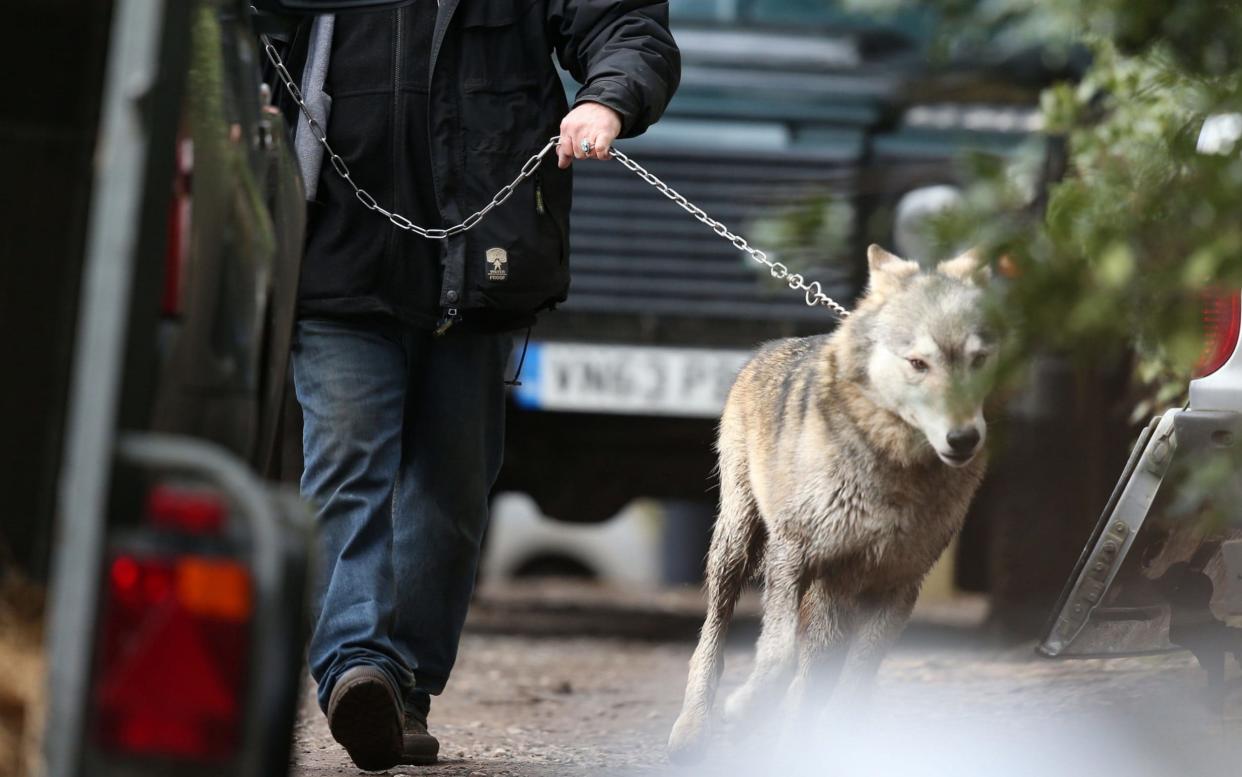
366	198
813	291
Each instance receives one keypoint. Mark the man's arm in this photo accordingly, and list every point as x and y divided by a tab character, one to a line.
623	54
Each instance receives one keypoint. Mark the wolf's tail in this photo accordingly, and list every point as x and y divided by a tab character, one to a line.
738	542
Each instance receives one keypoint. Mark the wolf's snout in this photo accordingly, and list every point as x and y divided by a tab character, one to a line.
963	442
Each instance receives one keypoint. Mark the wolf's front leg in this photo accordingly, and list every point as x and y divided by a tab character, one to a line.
728	562
881	619
827	621
776	653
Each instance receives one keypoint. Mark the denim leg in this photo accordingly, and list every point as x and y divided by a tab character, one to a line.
351	383
451	453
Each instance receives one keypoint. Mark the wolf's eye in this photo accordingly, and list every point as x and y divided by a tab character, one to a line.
977	361
918	364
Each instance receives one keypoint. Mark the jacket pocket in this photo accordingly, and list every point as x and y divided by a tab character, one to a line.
494	13
499	53
546	207
516	257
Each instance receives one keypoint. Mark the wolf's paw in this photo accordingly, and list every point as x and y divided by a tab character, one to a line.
688	740
737	706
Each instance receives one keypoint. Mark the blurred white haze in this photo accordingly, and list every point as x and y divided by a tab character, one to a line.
1014	717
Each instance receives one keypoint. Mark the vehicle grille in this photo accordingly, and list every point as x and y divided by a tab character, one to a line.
635	252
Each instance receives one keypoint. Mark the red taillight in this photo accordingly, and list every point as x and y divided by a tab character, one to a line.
178	248
193	511
1222	315
172	657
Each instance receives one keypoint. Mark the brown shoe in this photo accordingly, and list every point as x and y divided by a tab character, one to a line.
418	747
365	717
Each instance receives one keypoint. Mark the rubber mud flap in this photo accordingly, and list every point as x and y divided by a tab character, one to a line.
1105	568
1153	577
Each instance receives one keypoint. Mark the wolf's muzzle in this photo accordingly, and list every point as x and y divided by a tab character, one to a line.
963	442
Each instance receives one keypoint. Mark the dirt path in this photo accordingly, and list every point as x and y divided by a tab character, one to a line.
529	706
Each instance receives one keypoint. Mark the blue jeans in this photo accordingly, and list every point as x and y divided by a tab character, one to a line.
403	437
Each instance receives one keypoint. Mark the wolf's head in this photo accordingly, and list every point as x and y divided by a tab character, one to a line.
923	343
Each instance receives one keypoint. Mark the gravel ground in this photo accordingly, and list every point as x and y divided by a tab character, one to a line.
528	699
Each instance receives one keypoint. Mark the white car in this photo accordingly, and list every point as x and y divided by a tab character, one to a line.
522	542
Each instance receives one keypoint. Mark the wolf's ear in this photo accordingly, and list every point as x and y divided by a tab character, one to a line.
968	267
889	272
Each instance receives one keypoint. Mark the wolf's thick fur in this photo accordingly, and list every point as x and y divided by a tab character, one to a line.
839	482
21	679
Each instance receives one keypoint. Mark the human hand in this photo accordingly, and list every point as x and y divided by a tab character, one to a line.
595	123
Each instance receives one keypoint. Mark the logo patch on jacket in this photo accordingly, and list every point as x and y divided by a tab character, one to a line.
497	264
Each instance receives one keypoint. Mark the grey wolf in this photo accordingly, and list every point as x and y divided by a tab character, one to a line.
434	107
847	462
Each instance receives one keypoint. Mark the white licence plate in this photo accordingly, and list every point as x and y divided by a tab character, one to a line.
633	380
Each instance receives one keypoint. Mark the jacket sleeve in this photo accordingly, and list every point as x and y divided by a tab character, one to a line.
623	54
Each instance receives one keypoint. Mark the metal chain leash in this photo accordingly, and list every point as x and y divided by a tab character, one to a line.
813	291
365	197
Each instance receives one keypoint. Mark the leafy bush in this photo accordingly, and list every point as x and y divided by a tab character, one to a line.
1113	255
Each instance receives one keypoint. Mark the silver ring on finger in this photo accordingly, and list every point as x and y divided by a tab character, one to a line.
587	146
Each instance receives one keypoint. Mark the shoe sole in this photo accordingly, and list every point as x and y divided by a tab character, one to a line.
366	721
419	760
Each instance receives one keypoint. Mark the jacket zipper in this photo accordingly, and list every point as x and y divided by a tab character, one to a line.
450	313
396	101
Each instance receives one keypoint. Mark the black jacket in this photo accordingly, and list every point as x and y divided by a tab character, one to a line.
435	112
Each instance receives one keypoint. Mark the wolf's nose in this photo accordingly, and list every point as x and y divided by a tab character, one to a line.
963	441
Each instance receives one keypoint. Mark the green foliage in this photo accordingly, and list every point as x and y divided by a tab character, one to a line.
1141	223
803	236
